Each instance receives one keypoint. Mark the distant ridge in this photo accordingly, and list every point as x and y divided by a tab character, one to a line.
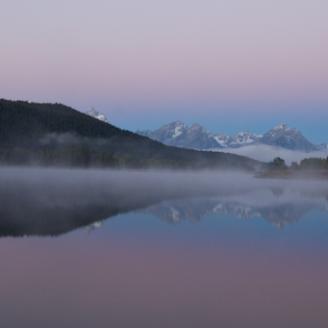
55	134
196	137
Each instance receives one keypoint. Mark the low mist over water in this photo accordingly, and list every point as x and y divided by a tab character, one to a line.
54	201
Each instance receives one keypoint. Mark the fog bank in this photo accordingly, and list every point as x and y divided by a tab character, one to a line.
55	201
266	153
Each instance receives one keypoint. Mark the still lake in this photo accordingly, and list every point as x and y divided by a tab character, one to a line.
161	249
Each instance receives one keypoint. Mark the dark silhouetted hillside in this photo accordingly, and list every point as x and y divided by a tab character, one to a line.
54	134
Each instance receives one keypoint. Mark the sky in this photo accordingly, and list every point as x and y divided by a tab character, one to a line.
229	65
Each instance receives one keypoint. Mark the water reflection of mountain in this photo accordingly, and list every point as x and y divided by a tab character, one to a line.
280	213
50	203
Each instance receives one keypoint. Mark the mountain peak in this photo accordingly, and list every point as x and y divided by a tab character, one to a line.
286	137
197	137
282	126
197	126
175	124
99	116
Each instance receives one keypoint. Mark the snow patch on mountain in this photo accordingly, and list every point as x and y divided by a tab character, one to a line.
244	138
99	116
223	140
180	135
177	132
281	126
289	138
197	137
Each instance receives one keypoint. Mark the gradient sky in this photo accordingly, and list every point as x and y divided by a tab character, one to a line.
228	65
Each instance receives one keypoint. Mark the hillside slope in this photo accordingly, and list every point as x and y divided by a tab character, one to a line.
54	134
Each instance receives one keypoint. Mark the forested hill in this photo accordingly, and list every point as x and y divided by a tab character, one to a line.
33	120
54	134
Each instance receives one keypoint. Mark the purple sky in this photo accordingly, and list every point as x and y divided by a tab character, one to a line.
229	65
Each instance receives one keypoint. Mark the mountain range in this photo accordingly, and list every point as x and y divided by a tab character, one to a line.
279	213
197	137
55	134
280	141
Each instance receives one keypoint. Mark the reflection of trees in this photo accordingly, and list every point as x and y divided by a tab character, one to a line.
21	215
38	206
277	191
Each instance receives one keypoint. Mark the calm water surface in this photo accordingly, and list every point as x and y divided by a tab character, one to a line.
76	254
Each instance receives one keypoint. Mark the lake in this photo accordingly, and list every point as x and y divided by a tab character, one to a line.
123	248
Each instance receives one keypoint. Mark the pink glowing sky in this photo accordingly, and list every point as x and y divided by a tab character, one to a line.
147	62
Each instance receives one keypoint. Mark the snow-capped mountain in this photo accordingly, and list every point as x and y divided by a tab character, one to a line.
180	135
280	141
279	212
223	140
285	137
239	140
99	116
197	137
244	138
